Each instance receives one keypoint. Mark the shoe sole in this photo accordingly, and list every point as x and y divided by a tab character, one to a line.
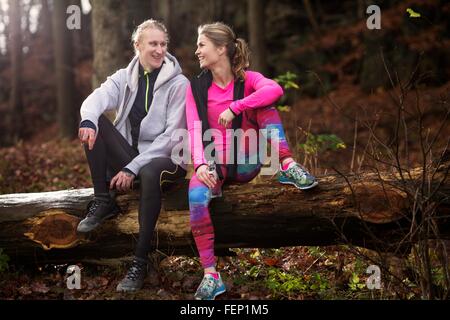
128	289
215	295
301	188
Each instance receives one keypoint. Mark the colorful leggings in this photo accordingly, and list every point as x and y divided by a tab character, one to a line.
200	196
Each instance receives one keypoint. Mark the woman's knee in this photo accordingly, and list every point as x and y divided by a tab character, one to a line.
199	195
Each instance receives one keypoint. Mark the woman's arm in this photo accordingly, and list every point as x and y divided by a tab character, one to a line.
264	92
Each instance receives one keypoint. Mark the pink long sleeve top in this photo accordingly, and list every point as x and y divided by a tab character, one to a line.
258	92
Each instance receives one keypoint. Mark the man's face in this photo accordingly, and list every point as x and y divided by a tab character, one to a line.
152	48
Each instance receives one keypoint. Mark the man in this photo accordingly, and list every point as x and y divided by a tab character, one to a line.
149	98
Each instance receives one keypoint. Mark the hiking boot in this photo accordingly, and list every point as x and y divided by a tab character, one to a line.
297	176
134	279
97	212
209	288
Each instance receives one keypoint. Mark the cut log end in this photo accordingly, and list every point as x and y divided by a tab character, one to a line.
54	229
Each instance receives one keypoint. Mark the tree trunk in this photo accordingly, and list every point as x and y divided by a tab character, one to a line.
65	84
138	11
45	30
15	122
264	213
107	39
311	16
256	27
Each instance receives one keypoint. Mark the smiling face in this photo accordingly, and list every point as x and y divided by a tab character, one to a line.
152	48
208	54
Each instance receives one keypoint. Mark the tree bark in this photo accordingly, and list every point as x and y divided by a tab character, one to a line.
107	39
65	83
311	16
137	12
15	122
45	30
355	209
256	27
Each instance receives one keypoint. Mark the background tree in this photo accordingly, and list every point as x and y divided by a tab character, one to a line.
311	16
15	123
65	86
45	29
256	27
137	11
107	39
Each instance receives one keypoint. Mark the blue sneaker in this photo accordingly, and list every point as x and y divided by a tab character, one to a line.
297	176
209	288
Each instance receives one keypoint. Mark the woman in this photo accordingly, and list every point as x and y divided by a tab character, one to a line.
149	98
225	95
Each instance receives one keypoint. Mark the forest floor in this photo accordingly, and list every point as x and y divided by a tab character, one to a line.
294	273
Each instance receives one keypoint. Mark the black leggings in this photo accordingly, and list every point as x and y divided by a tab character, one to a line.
110	154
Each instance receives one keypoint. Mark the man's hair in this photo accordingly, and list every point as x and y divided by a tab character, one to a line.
148	24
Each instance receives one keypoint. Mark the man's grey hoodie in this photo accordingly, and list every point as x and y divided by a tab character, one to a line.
166	113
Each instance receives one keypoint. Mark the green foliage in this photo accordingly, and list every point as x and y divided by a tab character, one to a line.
288	82
318	283
316	144
412	13
3	261
315	251
354	283
282	283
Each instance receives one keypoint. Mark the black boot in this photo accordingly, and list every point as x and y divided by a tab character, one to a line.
134	280
97	212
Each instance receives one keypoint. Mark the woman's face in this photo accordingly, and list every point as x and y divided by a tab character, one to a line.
152	48
208	54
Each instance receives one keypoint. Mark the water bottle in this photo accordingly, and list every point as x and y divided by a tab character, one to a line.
217	190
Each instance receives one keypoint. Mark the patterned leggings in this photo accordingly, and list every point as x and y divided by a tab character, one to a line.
200	196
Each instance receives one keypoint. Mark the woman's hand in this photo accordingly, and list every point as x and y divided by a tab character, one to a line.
87	136
225	118
204	176
123	181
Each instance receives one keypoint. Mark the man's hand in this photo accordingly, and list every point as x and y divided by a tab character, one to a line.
204	176
225	118
87	136
123	181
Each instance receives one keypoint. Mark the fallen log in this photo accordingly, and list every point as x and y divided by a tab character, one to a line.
368	210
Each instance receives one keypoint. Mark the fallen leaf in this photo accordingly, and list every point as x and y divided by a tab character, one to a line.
39	287
25	290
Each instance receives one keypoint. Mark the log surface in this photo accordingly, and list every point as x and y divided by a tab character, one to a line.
263	213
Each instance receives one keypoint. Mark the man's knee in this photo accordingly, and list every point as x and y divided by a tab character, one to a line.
149	175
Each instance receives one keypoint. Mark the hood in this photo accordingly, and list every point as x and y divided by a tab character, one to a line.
170	69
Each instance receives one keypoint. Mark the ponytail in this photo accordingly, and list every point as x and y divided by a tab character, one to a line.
241	59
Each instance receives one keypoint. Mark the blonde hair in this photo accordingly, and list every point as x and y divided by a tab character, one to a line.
147	24
238	52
